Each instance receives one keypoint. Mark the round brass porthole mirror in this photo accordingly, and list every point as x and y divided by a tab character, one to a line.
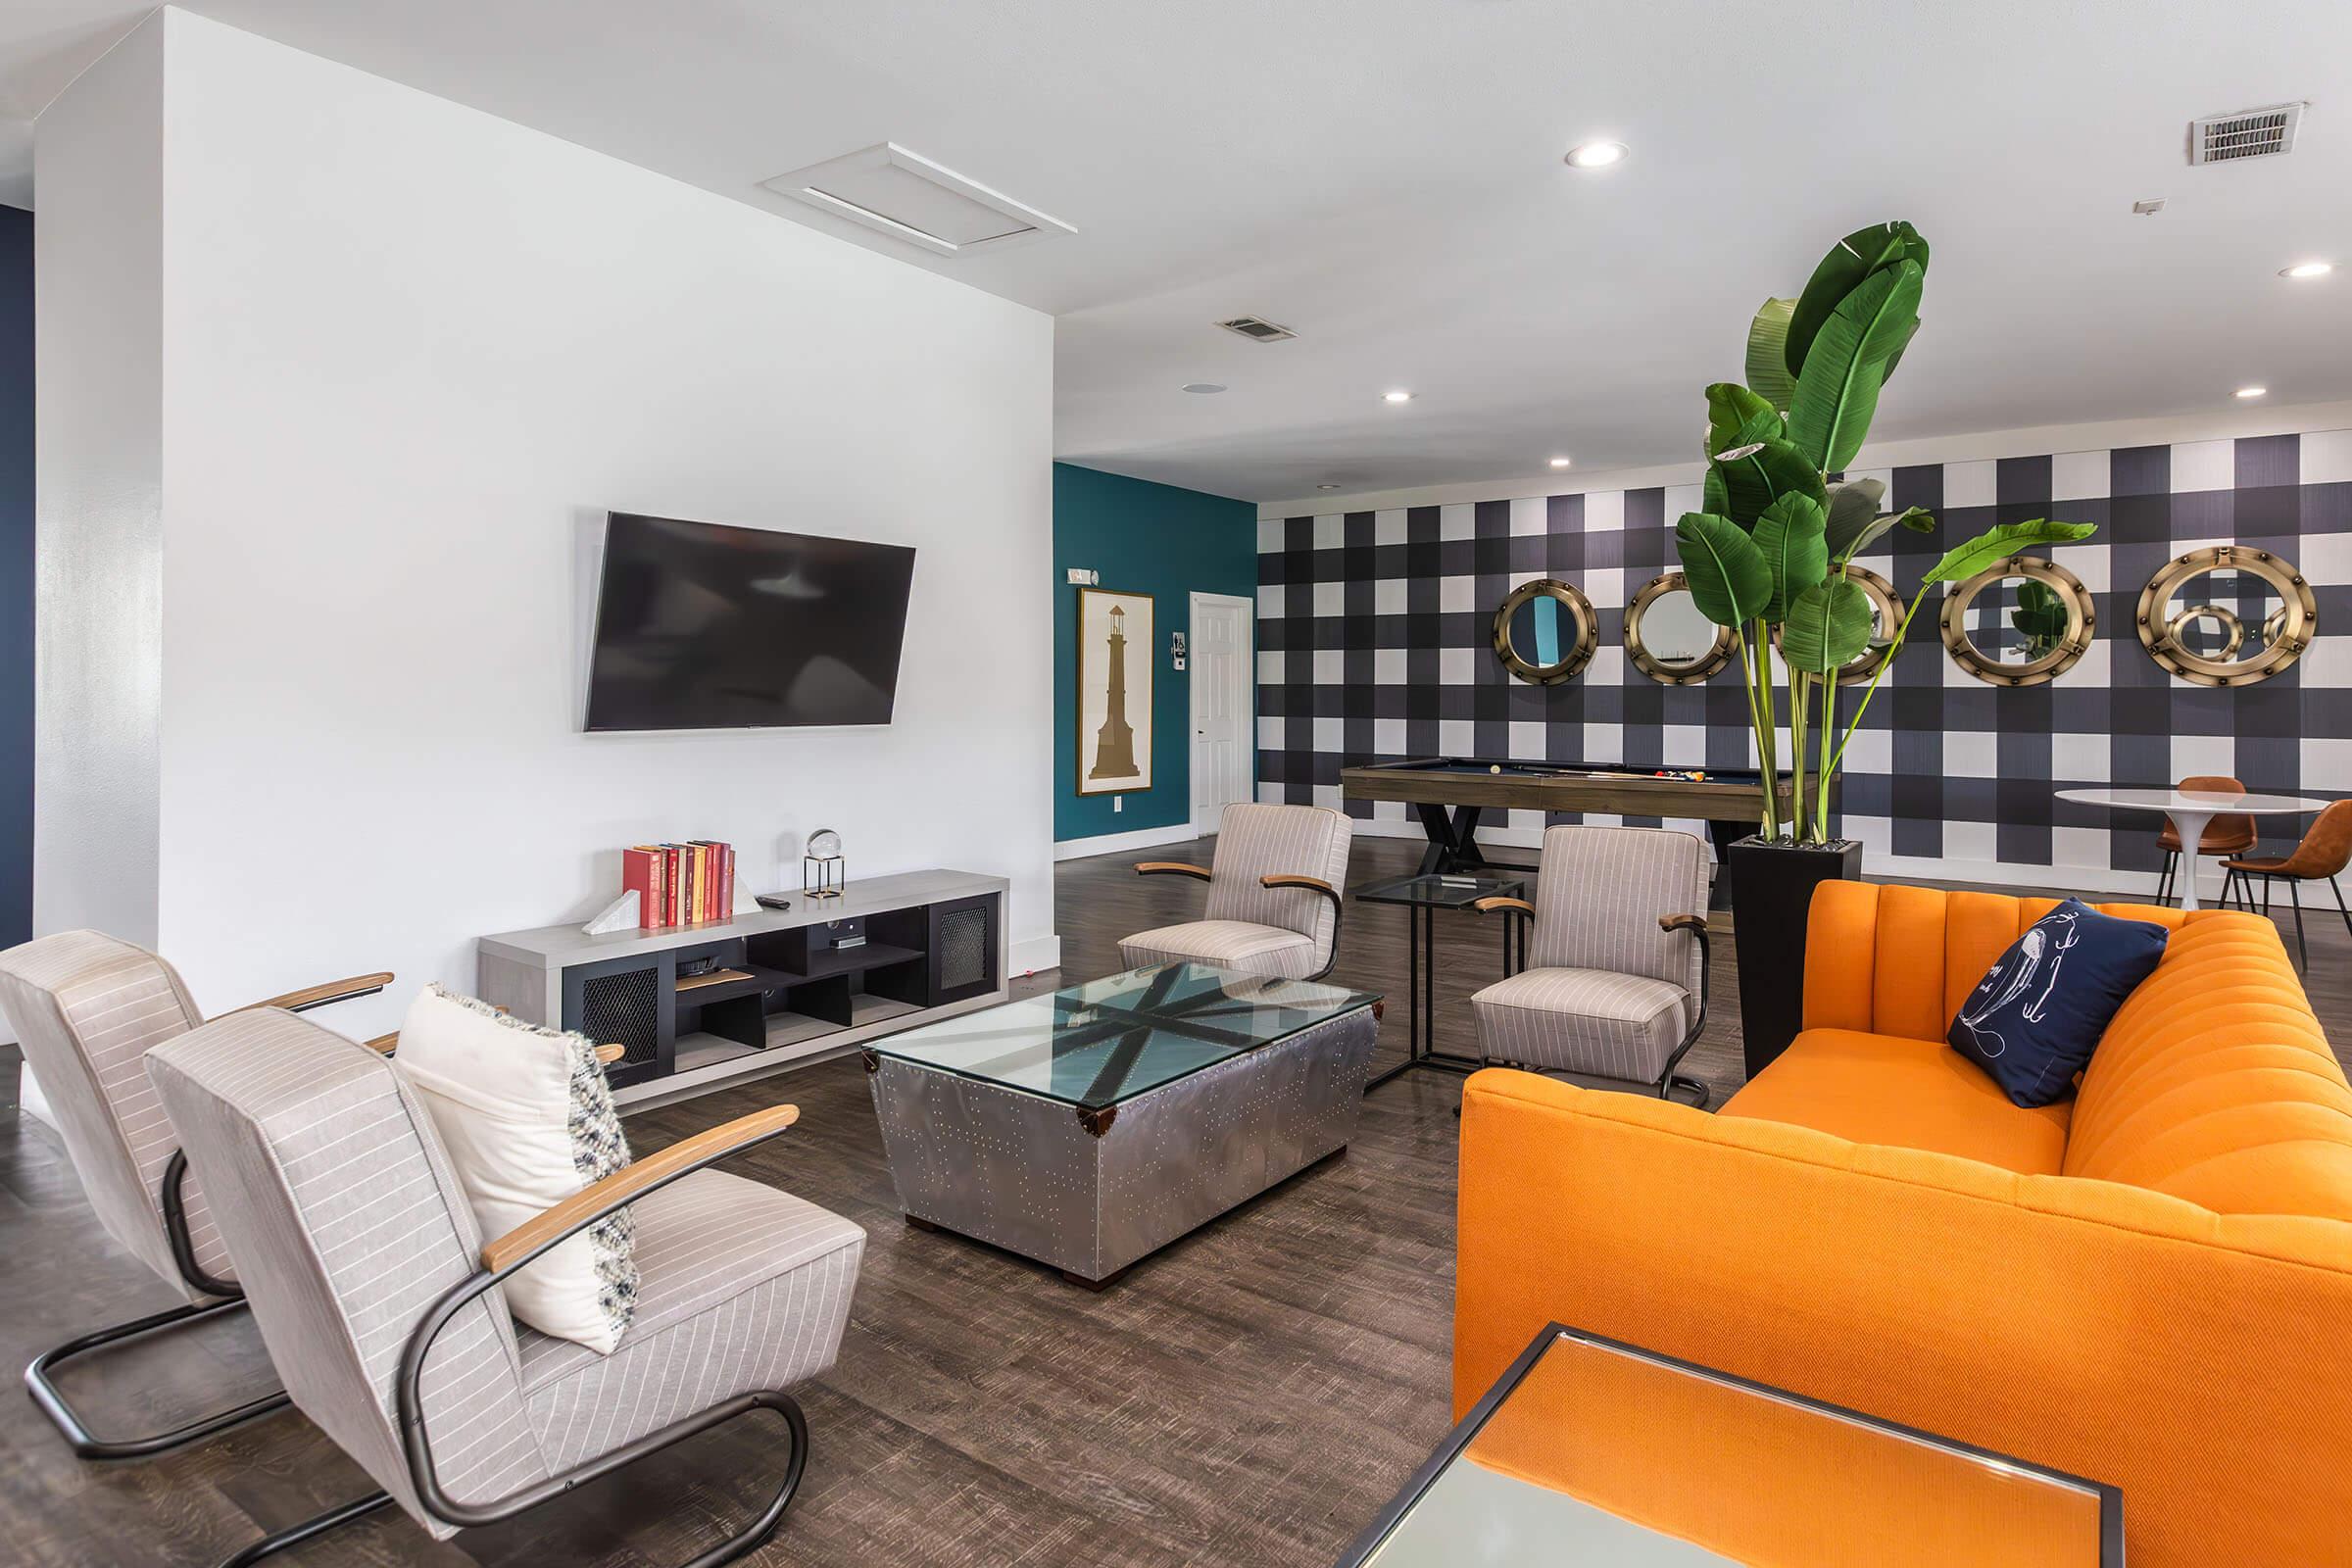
1545	631
2227	616
2019	622
1885	615
1667	639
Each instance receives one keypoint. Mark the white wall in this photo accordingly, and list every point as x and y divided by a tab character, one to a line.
411	355
2229	419
97	522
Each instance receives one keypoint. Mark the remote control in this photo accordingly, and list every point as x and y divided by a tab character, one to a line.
774	901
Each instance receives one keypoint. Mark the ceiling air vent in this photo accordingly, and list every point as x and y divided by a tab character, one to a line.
2248	133
908	197
1257	329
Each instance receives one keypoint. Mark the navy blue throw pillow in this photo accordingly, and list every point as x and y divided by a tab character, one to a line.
2036	1018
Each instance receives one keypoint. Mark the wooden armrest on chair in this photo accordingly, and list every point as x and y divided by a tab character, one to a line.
387	1043
303	1001
1314	884
1504	905
1683	922
633	1181
1172	868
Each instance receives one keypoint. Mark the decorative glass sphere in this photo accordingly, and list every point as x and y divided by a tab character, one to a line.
824	844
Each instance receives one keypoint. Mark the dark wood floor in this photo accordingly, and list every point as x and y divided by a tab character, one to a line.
1251	1395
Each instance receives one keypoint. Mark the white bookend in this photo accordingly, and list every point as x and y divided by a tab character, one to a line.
618	916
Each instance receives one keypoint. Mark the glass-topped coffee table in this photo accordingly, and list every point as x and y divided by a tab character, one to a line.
1090	1126
1588	1450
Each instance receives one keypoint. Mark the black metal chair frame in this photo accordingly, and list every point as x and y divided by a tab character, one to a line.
1669	1080
2240	879
416	1448
1315	885
172	1201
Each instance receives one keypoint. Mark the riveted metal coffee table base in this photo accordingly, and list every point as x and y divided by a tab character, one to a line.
1088	1192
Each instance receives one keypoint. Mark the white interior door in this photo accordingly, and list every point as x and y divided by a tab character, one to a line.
1224	705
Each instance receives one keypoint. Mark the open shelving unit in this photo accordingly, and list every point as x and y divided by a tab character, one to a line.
773	988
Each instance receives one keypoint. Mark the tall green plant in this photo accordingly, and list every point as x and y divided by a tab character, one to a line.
1770	557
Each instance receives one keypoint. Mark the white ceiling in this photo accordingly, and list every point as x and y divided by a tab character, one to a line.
1385	177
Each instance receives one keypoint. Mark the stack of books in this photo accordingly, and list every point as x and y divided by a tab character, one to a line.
680	884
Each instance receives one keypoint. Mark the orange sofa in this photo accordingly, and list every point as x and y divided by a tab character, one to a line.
2150	1285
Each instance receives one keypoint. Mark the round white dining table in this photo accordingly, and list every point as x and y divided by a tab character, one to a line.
2191	810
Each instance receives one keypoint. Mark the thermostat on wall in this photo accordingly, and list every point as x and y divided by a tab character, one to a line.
1085	576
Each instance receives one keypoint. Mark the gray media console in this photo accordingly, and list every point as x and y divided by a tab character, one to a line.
776	987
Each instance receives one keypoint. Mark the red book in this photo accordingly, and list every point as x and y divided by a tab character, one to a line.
642	870
673	891
727	883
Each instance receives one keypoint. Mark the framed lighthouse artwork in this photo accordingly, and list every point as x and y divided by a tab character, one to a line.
1114	691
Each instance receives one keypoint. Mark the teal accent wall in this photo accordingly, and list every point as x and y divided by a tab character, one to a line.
1143	538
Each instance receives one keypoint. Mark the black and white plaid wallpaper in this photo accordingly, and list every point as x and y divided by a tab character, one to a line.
1373	643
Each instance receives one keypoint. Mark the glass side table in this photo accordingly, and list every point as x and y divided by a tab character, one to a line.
1425	894
1590	1450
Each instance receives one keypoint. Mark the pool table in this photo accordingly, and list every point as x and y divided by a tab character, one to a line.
1729	799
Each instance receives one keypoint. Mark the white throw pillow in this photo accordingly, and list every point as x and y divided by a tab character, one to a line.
527	1118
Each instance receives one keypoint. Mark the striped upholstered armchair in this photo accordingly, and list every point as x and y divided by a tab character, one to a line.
1615	982
1273	896
86	1008
379	1303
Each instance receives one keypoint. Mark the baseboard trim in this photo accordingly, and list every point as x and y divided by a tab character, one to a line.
1119	842
1033	953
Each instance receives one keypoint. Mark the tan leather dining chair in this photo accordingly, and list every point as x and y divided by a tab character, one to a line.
2320	858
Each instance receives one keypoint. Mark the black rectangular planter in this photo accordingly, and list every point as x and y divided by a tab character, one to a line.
1772	898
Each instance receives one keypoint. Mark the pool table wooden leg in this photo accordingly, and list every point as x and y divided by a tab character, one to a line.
1453	840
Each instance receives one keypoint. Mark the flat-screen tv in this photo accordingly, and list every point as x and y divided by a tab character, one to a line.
704	627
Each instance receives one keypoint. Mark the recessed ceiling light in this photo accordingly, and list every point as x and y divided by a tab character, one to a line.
2307	270
1397	396
1596	154
1327	487
1203	386
1559	462
2252	391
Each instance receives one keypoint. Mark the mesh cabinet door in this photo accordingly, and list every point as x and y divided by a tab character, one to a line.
628	1002
964	948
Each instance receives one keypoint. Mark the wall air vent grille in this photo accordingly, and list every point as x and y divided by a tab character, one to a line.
2248	133
1257	329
